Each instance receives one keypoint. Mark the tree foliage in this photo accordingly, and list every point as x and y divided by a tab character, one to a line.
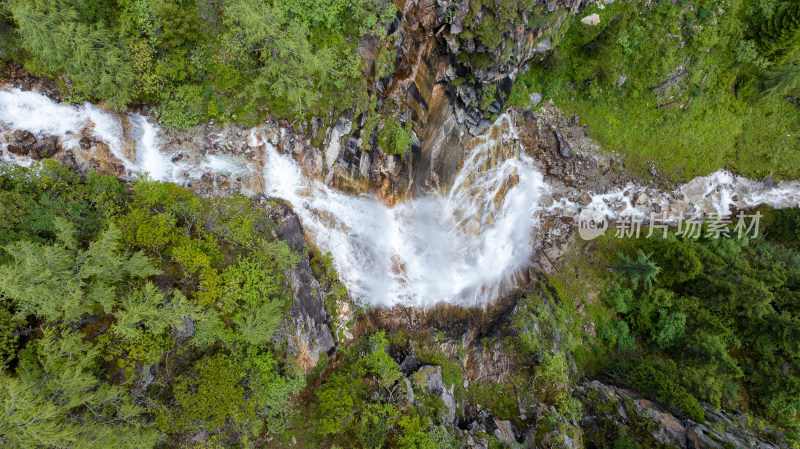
642	269
199	59
722	326
59	400
63	39
61	282
105	289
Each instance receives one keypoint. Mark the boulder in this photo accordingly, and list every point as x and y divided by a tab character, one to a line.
591	19
432	378
22	142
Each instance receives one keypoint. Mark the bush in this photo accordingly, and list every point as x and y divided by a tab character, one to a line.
659	382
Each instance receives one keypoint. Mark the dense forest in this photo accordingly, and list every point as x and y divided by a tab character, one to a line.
692	74
721	77
145	316
142	314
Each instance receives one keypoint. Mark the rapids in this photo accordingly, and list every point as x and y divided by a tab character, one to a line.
462	247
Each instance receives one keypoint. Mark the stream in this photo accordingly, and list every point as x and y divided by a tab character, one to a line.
460	247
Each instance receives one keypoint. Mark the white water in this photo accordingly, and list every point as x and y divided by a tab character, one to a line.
459	248
452	248
42	116
149	158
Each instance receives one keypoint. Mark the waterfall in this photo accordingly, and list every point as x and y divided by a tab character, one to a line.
462	247
451	248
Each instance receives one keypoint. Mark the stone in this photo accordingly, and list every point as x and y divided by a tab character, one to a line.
544	46
591	19
409	365
47	147
536	98
22	142
85	143
505	432
466	93
435	384
310	334
564	148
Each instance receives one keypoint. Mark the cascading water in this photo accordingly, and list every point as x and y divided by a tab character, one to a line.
460	247
455	248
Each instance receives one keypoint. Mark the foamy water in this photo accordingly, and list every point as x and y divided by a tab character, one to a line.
454	248
462	247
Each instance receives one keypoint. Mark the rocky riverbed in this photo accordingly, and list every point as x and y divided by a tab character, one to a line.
214	159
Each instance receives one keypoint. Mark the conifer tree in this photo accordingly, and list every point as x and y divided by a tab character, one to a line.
61	42
779	35
642	269
58	400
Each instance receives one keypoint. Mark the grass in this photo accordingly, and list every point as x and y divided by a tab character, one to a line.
578	285
693	126
501	399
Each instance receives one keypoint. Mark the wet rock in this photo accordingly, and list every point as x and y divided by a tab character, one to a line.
22	142
585	199
85	143
46	147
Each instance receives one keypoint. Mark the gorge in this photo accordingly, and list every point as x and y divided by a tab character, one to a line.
462	245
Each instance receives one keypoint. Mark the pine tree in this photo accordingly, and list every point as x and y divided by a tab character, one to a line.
60	282
57	400
642	269
779	36
92	56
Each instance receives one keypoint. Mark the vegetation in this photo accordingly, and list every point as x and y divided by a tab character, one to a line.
141	315
718	327
199	59
138	317
705	84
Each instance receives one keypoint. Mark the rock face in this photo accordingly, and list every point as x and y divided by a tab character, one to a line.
611	413
307	330
455	64
431	377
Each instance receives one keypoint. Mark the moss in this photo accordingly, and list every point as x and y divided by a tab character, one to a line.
501	399
428	353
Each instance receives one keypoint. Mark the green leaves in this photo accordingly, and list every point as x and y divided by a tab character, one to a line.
60	282
148	309
188	331
669	327
659	381
211	396
640	270
91	55
366	367
779	34
57	400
